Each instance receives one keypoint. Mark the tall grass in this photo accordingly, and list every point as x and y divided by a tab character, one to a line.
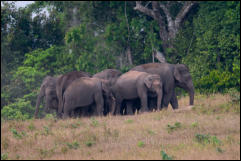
210	130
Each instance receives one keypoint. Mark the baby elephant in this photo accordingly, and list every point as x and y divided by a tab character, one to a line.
84	92
134	84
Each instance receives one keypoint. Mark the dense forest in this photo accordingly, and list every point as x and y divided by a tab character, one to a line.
92	36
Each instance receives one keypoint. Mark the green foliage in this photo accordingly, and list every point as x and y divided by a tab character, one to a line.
129	121
94	122
171	128
209	43
140	144
207	139
165	156
99	35
216	81
4	156
46	131
74	145
17	134
194	124
234	95
89	143
31	126
20	110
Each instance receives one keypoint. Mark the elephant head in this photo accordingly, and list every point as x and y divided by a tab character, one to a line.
154	84
109	97
47	90
183	79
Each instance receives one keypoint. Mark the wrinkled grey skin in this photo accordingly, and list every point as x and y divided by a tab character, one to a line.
110	75
172	75
84	92
63	82
134	84
48	90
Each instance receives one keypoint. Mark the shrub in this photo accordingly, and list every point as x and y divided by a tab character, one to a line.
207	139
94	122
4	156
20	110
234	95
171	128
165	156
89	143
74	145
216	81
141	144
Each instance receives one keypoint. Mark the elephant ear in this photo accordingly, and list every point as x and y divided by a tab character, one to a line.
105	84
148	81
177	73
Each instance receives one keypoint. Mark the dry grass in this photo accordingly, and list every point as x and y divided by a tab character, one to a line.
130	137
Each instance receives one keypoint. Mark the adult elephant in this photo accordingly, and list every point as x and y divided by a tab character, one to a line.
48	90
172	75
110	75
135	84
63	82
84	92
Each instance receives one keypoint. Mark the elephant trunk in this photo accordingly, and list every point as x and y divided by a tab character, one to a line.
41	94
112	105
159	99
191	95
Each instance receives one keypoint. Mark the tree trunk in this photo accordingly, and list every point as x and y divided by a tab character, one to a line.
128	55
167	32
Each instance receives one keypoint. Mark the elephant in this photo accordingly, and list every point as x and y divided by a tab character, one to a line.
135	84
172	75
48	90
84	92
63	82
110	75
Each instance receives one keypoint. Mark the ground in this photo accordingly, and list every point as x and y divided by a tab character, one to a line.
210	130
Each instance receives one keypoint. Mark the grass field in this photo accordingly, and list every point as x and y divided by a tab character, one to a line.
210	130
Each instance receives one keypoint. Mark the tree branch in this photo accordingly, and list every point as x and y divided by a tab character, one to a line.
186	7
171	25
143	9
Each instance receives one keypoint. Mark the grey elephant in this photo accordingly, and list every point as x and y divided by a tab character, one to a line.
172	75
134	84
48	90
84	92
63	82
110	75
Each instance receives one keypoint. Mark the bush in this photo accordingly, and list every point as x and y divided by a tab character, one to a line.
234	95
19	110
216	81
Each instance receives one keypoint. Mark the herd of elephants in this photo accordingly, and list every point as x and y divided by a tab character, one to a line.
143	88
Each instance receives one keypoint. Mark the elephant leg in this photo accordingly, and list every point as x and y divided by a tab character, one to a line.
99	104
152	103
118	104
144	107
118	107
167	98
174	101
129	109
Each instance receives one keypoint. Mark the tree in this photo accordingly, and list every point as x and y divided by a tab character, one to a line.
169	22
